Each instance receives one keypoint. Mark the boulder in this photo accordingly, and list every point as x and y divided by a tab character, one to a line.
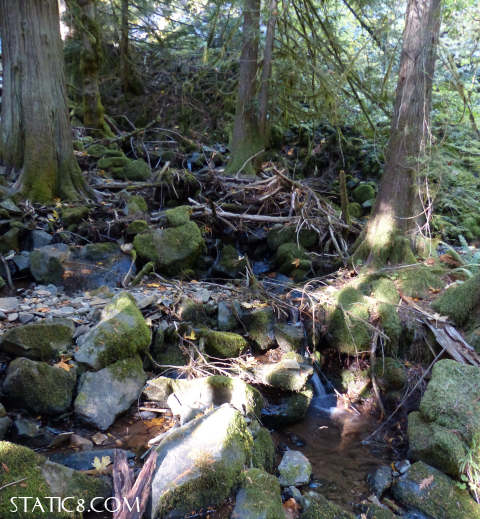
381	480
263	453
223	344
288	408
289	337
443	429
173	250
42	478
47	263
5	422
260	327
72	216
200	463
103	395
258	497
390	373
363	192
38	387
230	263
226	316
319	507
433	493
38	238
42	340
292	260
294	469
178	215
121	333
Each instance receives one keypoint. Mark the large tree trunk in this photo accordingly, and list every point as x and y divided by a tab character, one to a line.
35	133
93	112
246	141
391	231
129	80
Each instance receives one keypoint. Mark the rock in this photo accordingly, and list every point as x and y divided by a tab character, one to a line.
9	304
443	429
25	317
47	263
200	463
28	431
363	192
136	227
258	497
230	263
319	507
289	408
390	373
282	234
223	344
159	389
83	460
10	240
37	239
42	478
121	333
38	387
193	312
290	373
5	423
292	260
263	453
105	394
226	320
135	170
22	262
42	340
259	324
294	469
172	250
74	215
371	511
3	412
380	480
12	317
428	490
136	206
79	442
178	215
289	337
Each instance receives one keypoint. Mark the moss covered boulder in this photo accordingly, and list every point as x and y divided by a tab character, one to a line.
363	192
173	250
72	216
41	478
178	215
47	263
390	373
420	281
287	408
136	206
260	325
230	263
292	260
38	387
201	463
134	170
258	497
103	395
294	469
42	340
445	426
429	491
281	234
136	227
121	333
263	453
289	337
319	507
223	344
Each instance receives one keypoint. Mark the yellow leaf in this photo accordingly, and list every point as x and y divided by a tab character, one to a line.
63	365
296	262
101	464
191	336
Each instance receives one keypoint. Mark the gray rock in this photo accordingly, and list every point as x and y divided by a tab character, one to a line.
258	497
294	469
25	317
287	409
47	263
5	423
226	319
37	239
319	507
105	394
27	428
9	304
11	318
83	460
200	463
42	340
380	480
260	326
426	489
38	387
289	337
121	333
22	261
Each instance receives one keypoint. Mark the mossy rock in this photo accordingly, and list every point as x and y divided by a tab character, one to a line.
136	227
363	192
434	494
10	241
291	260
170	355
280	235
387	297
38	387
223	344
419	281
458	301
136	206
260	326
231	263
74	215
258	497
121	333
289	408
179	184
355	210
113	162
263	453
98	150
348	326
136	170
172	250
320	507
178	215
99	251
42	478
390	373
195	313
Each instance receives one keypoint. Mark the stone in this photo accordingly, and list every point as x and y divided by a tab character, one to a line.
42	340
433	493
136	227
289	337
288	408
3	411
5	424
121	333
226	320
25	317
292	261
136	206
136	170
258	497
294	469
200	463
363	192
443	429
319	507
380	480
263	453
230	264
173	250
42	478
390	373
38	238
47	263
9	304
223	344
74	215
103	395
291	373
178	215
22	262
38	387
83	460
260	327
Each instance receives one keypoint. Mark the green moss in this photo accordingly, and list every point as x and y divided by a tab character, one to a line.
74	215
136	227
178	215
259	324
223	344
98	150
291	260
458	301
259	496
112	162
193	312
263	453
10	241
390	373
363	192
136	205
280	235
355	210
127	368
321	508
420	280
100	251
137	170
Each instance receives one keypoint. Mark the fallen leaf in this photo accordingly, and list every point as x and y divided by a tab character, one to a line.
425	483
296	262
191	336
5	468
101	464
63	365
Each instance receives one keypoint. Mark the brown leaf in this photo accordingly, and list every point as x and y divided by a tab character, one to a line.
296	262
425	483
5	468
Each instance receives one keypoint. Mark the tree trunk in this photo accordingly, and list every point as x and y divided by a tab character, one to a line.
246	141
93	112
129	80
266	72
35	133
390	233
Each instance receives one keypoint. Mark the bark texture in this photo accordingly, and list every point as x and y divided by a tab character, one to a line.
35	132
246	139
390	233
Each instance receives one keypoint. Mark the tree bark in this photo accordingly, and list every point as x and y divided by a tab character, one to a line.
35	132
390	233
246	141
129	80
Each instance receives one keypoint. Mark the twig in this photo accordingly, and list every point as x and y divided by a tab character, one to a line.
12	483
373	349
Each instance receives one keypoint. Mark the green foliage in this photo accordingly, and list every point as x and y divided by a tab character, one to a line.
470	467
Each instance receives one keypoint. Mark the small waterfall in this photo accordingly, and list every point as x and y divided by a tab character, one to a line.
318	387
324	403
